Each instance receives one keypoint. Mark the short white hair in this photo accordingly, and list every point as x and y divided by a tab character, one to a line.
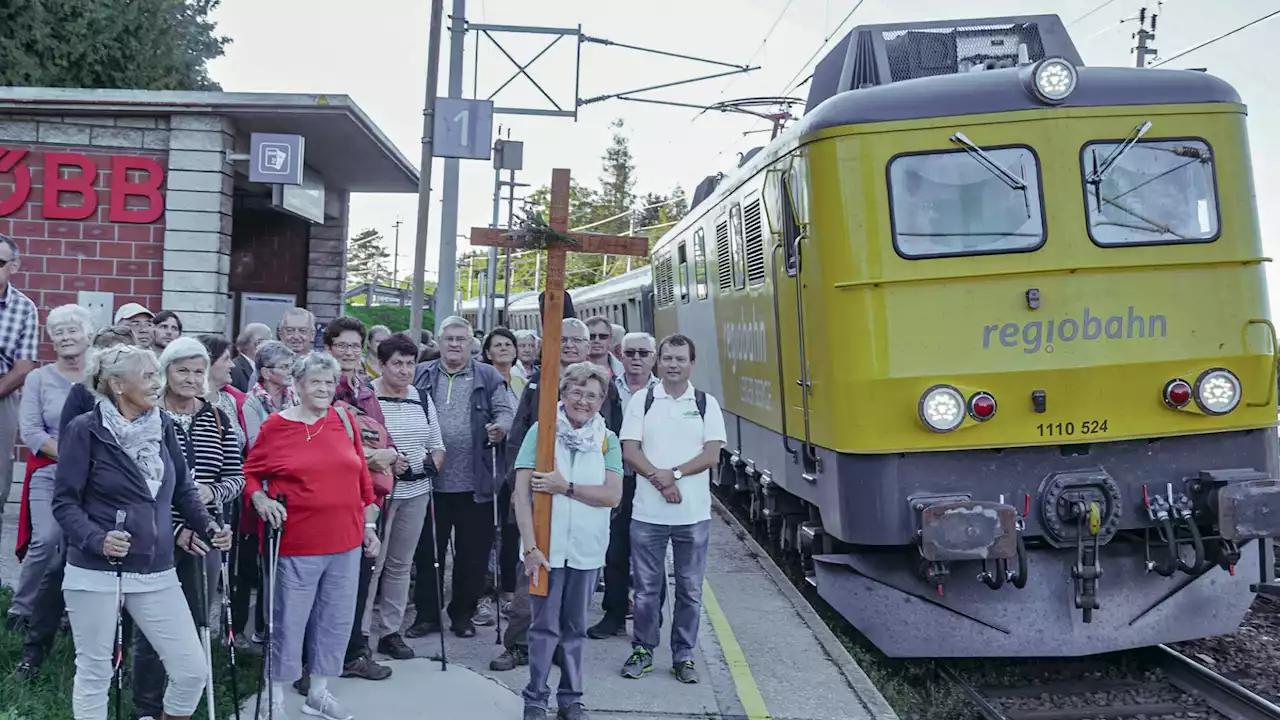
577	326
455	321
252	333
70	315
311	318
183	348
379	329
639	338
579	374
314	362
526	335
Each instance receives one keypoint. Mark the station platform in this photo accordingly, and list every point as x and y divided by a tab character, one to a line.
763	654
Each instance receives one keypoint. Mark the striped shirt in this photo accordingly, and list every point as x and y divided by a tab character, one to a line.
415	435
211	448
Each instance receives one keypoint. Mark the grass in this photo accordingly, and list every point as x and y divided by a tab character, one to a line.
48	696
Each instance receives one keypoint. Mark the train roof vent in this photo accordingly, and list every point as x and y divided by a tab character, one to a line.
705	188
746	156
873	55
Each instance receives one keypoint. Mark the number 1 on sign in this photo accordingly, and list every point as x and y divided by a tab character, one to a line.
462	119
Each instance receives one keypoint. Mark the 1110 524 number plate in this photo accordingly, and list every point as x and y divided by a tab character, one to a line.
1072	428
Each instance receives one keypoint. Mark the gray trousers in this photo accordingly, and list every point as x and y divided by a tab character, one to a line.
648	574
315	598
560	618
404	522
521	615
8	438
46	542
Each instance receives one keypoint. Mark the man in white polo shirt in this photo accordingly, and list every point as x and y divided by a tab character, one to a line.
672	435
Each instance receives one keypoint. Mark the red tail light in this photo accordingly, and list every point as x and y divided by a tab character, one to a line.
982	406
1177	393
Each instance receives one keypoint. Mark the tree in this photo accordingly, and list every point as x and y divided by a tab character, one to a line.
617	181
367	259
142	44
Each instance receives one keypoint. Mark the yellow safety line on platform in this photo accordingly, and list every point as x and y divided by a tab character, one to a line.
748	692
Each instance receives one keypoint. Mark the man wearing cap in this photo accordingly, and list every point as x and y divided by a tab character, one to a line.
18	337
139	320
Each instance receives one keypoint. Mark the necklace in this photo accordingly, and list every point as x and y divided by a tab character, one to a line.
318	428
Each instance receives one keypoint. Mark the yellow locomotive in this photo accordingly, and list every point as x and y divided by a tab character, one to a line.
991	333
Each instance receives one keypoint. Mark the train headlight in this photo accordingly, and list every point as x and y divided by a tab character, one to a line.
1217	391
942	408
1052	80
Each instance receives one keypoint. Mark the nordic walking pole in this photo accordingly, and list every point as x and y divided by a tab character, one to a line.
202	593
497	549
271	611
226	615
119	648
435	557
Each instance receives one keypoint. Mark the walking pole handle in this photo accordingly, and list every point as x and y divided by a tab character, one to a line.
120	518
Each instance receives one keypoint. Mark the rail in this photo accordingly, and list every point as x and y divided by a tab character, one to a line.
1220	693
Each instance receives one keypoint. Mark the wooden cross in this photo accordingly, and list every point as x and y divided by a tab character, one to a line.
552	316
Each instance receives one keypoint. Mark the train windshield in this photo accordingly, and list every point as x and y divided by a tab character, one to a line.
1159	191
953	203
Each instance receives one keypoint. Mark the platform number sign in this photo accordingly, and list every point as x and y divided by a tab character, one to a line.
463	129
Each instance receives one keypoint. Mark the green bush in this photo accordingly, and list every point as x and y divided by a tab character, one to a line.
394	317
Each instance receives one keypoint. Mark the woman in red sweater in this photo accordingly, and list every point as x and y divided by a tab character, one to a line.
311	454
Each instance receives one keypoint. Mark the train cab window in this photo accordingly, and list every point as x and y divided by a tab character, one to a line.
700	263
790	230
966	202
1150	192
682	272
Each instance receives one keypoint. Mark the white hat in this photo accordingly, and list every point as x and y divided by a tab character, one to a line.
129	310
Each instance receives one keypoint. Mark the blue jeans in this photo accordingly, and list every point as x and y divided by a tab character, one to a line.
648	576
559	619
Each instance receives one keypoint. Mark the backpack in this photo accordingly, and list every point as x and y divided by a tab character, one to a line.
372	434
699	399
429	465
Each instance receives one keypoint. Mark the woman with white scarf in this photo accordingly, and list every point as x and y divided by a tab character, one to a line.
125	456
585	485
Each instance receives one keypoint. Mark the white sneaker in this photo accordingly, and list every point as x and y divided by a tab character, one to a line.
484	613
326	707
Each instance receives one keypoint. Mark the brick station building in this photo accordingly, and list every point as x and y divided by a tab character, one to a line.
118	196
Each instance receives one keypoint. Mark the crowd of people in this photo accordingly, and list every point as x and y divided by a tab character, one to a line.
179	483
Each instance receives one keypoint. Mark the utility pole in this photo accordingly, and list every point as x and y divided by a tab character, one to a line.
424	179
488	317
1143	36
449	195
395	261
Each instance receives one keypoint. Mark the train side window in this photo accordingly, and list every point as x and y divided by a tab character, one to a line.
790	231
953	203
1158	192
700	263
682	272
735	246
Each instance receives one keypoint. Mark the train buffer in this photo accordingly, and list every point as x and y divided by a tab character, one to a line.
762	654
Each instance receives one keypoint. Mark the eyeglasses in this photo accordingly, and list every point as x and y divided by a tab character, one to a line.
602	336
637	353
574	340
347	347
296	331
4	262
577	395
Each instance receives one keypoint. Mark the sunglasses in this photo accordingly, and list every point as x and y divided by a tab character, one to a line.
637	353
4	262
602	336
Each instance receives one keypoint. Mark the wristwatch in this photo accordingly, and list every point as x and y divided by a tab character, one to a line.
569	492
676	472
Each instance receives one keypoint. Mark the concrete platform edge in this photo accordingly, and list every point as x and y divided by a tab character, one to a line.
874	703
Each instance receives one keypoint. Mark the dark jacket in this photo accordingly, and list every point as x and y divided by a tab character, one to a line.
241	373
79	401
527	415
485	381
96	478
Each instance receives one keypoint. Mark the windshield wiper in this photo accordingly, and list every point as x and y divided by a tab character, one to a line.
1099	172
987	161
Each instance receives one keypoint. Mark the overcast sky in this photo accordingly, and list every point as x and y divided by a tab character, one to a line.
376	52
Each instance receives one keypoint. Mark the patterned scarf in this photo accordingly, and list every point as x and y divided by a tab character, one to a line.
587	438
139	439
289	399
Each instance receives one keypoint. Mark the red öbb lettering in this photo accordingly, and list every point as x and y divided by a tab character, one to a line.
73	176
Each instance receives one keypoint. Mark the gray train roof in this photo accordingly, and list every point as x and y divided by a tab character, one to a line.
994	91
623	283
474	303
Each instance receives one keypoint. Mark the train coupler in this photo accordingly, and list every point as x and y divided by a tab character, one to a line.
1088	568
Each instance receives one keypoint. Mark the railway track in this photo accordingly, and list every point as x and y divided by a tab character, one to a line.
1158	682
1147	684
